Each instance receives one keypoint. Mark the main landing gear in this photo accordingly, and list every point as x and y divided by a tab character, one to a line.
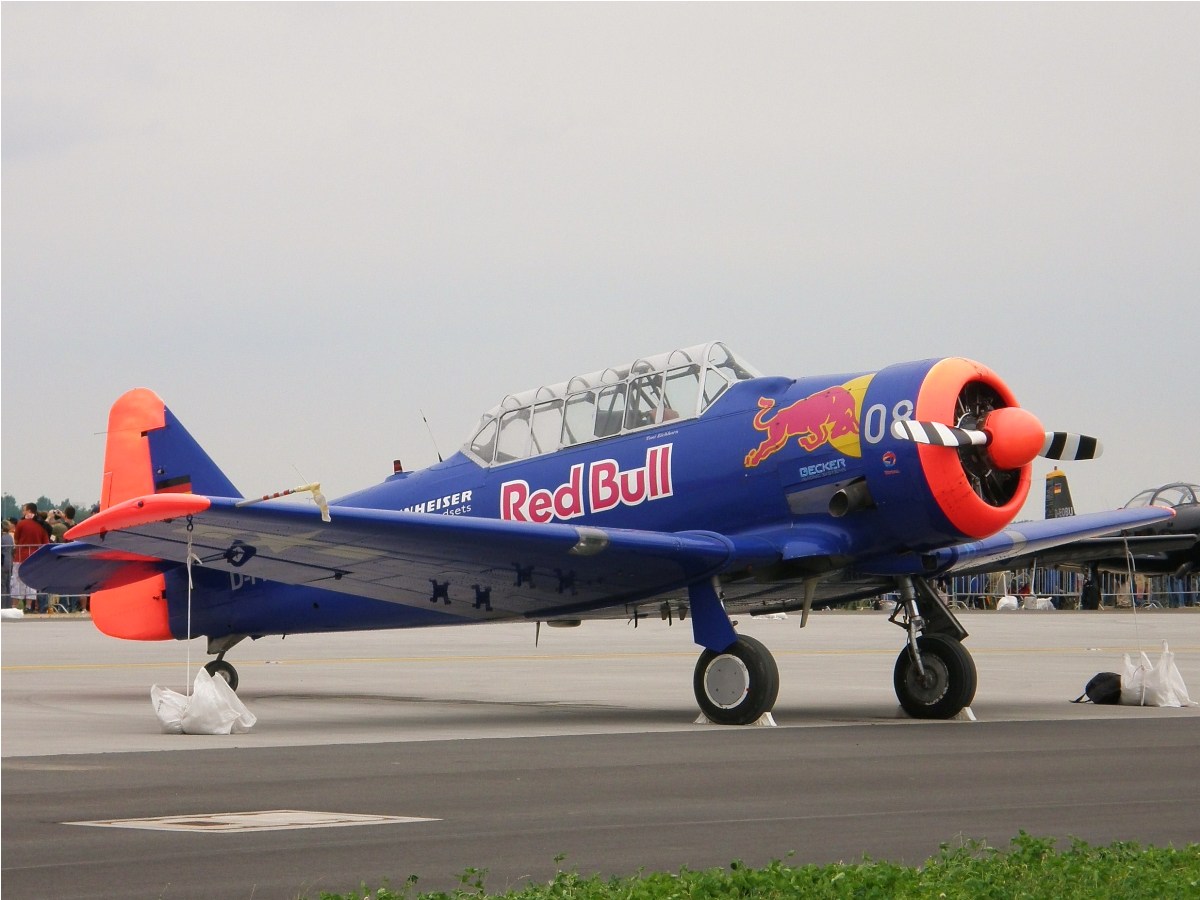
935	676
739	684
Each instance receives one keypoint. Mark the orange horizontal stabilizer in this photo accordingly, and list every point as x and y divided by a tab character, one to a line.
139	511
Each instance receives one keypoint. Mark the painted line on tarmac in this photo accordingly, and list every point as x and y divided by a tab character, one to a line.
568	657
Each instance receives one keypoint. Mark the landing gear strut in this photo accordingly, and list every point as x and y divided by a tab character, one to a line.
935	676
737	685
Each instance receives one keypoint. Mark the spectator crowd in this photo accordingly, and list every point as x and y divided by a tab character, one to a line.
21	538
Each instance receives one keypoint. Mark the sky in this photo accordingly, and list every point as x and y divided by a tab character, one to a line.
309	226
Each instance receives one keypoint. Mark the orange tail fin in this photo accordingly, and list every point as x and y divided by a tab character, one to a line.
148	451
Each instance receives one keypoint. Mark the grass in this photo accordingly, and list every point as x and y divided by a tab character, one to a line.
1030	868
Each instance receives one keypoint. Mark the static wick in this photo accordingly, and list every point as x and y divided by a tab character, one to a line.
314	489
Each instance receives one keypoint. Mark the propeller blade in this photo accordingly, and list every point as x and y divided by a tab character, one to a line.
937	434
1064	445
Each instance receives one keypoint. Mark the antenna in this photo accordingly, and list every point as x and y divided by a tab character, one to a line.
432	439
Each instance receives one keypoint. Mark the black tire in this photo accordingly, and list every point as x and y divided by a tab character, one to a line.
219	668
737	685
950	678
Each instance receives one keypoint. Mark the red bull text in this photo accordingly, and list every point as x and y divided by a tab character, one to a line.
603	485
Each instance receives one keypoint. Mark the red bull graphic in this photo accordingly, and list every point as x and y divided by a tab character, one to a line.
826	417
598	488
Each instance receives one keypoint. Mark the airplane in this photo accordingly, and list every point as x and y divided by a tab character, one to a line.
685	485
1168	547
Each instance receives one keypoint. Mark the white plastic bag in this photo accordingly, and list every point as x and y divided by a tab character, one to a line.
1154	684
169	707
213	708
1008	602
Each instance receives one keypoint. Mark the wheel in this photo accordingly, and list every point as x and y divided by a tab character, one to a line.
737	685
949	682
220	668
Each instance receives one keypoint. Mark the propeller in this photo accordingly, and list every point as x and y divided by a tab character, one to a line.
1012	435
995	443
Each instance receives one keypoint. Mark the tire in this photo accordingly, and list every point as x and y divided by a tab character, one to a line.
218	668
739	684
950	678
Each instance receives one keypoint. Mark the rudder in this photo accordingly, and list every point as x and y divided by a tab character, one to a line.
148	451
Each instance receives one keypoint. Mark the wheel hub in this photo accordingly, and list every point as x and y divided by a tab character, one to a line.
726	681
930	687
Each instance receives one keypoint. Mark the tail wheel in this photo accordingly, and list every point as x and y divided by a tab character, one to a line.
737	685
218	668
948	684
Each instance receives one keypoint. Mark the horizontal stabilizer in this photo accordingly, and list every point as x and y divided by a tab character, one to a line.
78	568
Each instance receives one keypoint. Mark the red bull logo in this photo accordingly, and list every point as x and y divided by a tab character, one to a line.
602	486
826	417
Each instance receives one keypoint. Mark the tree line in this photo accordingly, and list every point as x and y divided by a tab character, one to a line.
12	506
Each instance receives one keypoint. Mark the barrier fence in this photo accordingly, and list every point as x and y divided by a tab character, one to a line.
1064	589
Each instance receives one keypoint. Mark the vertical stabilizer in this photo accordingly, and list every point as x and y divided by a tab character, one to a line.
1058	496
148	452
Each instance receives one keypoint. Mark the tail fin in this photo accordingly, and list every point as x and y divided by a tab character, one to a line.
148	452
1058	496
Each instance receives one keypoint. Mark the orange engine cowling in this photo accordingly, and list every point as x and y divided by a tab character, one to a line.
979	490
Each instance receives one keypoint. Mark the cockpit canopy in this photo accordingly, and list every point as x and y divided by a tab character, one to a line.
654	390
1170	496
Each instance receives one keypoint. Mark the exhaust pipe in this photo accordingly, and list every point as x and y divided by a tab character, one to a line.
853	497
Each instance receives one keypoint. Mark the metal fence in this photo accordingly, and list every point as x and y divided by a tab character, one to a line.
1064	587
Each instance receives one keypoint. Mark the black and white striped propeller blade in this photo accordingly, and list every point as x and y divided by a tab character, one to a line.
937	434
1064	445
1061	445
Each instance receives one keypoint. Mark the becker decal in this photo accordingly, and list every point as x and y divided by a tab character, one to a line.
592	488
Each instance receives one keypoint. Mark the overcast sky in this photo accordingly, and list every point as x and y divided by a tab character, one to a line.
303	224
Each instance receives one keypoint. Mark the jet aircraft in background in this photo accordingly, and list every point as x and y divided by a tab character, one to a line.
685	485
1167	547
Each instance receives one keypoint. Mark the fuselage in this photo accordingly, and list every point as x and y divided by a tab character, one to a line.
794	457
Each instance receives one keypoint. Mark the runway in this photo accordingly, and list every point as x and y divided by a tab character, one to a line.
511	755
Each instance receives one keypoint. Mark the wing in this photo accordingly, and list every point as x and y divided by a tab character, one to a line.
407	558
1106	553
1048	541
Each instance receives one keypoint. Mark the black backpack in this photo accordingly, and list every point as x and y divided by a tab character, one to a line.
1103	688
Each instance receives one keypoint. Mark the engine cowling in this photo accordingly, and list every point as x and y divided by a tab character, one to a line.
965	492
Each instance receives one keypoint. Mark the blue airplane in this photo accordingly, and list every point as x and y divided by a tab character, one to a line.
685	485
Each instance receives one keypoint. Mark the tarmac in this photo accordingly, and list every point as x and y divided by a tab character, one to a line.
441	749
69	689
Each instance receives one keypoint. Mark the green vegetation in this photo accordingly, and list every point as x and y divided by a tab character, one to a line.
1030	868
12	506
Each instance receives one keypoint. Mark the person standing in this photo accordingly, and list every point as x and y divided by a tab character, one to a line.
58	527
27	537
